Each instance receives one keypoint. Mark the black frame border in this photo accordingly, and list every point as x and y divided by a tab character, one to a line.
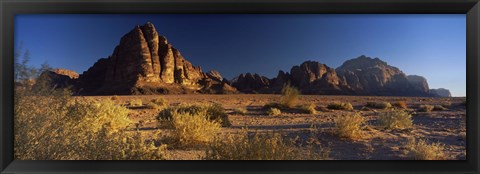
8	9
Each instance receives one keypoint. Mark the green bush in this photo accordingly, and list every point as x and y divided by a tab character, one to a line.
274	112
395	120
379	105
212	112
340	106
289	96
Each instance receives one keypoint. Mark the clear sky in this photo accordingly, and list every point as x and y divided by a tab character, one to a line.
433	46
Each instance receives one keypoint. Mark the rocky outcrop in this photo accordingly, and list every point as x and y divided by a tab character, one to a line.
372	76
440	92
251	83
359	76
59	78
145	62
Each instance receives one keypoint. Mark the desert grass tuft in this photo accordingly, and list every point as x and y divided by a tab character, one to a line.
340	106
192	129
289	96
400	104
240	111
115	97
309	109
160	101
439	108
421	150
396	119
349	125
274	111
212	112
269	146
136	102
379	105
425	108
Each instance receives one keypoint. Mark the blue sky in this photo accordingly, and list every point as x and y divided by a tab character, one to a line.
433	46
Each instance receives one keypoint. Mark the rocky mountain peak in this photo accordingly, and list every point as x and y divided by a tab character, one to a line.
145	62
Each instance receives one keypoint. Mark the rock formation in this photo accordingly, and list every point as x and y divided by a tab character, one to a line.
359	76
440	92
372	76
59	78
146	63
251	83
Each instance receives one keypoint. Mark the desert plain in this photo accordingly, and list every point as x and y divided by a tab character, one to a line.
445	127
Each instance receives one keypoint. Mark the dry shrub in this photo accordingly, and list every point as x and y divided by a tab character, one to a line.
309	109
212	112
160	101
439	108
289	96
340	106
447	105
421	150
395	120
193	128
349	125
241	111
274	111
136	102
62	128
273	105
400	104
153	106
379	105
115	97
269	146
425	108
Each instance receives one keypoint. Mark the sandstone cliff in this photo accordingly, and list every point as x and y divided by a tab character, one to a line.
145	62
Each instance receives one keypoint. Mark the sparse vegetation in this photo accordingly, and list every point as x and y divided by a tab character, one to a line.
49	124
349	125
421	150
289	96
272	105
160	101
212	112
274	111
379	105
115	97
136	102
241	111
425	108
270	146
396	119
340	106
192	129
309	109
400	104
439	108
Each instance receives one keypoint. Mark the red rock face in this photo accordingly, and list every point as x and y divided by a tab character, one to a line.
143	62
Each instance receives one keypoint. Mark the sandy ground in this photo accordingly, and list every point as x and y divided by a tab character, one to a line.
446	127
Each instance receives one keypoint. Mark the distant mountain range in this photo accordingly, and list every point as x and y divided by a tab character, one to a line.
146	63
